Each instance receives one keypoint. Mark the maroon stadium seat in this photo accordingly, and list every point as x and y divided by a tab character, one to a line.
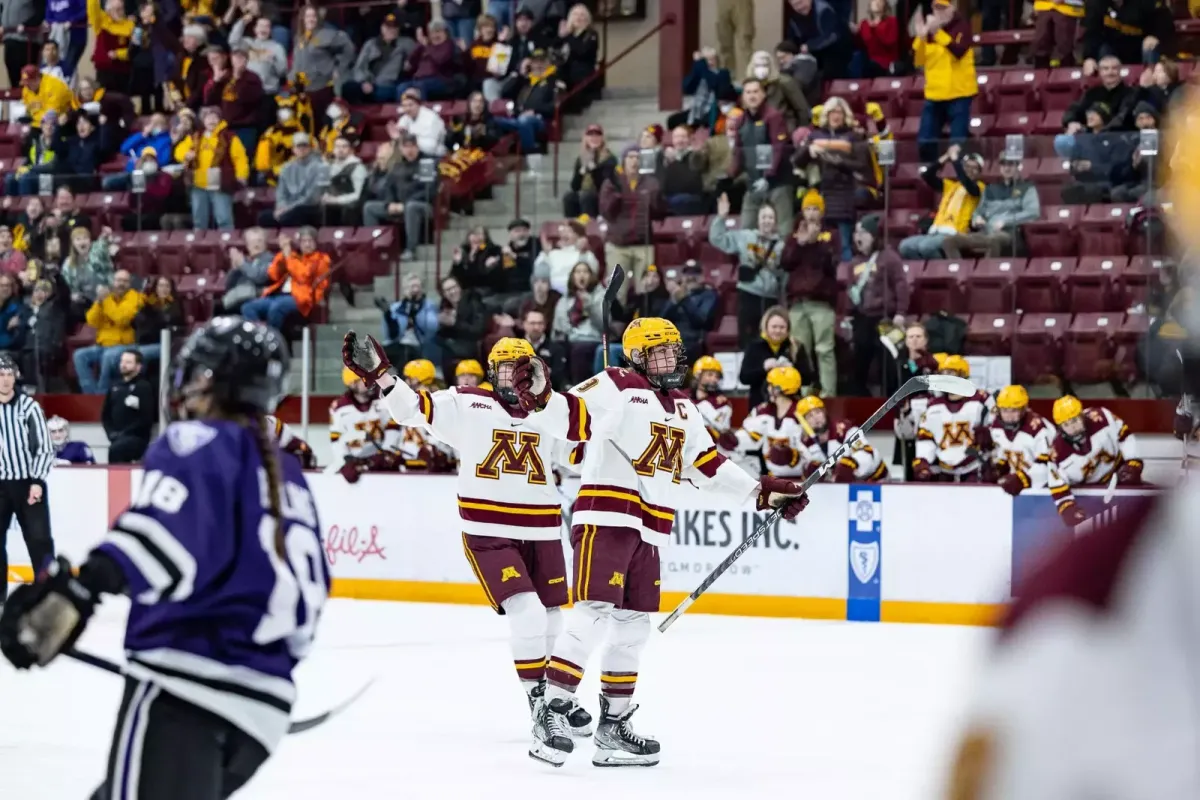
1054	234
1137	278
1040	287
720	276
1050	123
1062	87
725	337
939	286
991	285
902	222
891	94
1092	286
981	124
671	253
1017	92
852	91
674	229
1103	230
1037	347
1088	347
1014	122
990	334
1126	343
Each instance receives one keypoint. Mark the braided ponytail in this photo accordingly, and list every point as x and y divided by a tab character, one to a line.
270	460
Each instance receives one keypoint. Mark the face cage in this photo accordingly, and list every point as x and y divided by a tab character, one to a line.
1011	426
507	393
656	357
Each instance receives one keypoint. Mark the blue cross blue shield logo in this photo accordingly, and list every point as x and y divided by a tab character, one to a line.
865	553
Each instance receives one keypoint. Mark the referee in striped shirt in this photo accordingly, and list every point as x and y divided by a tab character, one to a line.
26	455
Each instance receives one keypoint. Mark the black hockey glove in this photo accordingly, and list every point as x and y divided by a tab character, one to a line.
43	618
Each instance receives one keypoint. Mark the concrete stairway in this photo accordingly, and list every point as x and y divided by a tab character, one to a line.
623	113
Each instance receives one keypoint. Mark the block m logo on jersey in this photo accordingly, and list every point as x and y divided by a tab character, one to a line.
513	453
956	434
665	452
864	553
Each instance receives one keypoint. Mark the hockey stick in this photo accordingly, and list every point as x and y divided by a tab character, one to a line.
297	726
610	295
950	384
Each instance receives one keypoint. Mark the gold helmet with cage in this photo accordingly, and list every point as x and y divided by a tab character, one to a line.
955	365
707	364
420	371
507	349
1013	397
786	379
646	334
1066	408
707	374
807	404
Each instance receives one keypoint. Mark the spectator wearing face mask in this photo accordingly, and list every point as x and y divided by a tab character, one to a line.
154	134
275	146
341	123
782	93
157	200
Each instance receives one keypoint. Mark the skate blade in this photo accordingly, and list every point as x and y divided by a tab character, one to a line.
548	755
582	732
619	758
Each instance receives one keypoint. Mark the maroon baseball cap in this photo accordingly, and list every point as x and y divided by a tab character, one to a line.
595	129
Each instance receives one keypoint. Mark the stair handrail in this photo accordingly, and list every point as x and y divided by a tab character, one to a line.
666	22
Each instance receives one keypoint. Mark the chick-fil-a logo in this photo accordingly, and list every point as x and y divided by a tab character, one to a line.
349	542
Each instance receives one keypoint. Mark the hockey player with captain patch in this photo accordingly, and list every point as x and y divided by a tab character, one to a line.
1021	442
510	509
645	438
1092	445
953	439
220	554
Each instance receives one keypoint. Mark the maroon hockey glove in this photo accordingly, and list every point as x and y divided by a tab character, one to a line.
1184	425
922	471
531	382
781	455
1130	473
383	461
843	473
439	461
782	494
1072	515
364	357
727	441
1013	484
351	470
983	439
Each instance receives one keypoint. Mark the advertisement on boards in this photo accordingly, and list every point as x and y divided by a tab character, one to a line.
865	553
1037	527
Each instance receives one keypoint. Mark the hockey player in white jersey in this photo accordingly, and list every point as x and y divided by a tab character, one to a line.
420	451
861	464
774	428
362	435
510	510
289	442
952	437
713	406
1021	442
1092	444
645	439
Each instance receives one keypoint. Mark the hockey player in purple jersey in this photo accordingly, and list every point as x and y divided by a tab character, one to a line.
221	555
66	451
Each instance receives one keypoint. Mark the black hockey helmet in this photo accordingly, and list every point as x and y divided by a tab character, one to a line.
9	364
247	364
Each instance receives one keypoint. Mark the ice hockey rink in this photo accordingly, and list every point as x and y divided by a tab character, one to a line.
744	708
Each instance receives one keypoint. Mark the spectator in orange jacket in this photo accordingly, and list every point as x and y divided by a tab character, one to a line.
298	282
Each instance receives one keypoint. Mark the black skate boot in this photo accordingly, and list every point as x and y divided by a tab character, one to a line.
579	720
616	743
535	696
551	732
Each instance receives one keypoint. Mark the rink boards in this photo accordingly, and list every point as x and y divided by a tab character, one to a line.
892	552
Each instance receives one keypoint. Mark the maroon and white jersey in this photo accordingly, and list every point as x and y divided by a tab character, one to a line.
288	441
1106	445
946	433
866	462
1093	688
360	430
1025	451
716	411
765	427
642	445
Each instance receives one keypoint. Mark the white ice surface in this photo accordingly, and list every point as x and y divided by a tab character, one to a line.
744	708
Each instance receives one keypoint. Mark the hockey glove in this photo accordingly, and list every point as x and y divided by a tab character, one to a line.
1130	473
983	439
1184	425
1073	515
727	441
43	618
843	473
922	471
781	455
439	462
364	357
351	469
781	494
383	461
531	383
1014	483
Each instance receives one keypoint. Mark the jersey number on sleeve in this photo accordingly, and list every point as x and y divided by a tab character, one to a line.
297	579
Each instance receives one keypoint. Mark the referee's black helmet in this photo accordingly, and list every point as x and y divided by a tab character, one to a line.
246	365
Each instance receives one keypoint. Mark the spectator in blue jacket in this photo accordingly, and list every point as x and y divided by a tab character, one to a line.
820	32
693	307
410	325
84	154
703	87
155	135
11	308
68	27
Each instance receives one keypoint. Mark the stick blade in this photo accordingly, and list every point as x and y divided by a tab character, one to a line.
950	384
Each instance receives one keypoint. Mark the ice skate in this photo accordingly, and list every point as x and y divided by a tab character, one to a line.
551	732
616	743
579	720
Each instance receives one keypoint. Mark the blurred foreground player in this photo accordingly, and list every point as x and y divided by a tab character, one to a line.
511	512
221	555
65	450
645	437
